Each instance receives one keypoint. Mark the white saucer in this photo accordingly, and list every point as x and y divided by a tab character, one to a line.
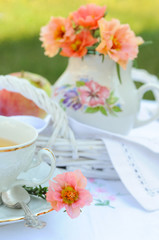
37	205
36	122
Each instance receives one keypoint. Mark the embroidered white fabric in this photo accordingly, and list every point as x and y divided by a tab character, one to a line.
133	159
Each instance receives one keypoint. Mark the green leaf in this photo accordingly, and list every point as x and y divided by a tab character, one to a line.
97	33
92	110
61	104
37	191
61	100
73	24
98	200
112	100
80	83
99	204
116	109
79	29
93	47
103	110
118	72
91	52
67	85
106	202
111	94
103	203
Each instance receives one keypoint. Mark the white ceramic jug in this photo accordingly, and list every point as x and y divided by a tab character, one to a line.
90	92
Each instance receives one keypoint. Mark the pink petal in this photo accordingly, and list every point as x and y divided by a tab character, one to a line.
92	85
54	199
71	179
96	102
56	205
81	180
57	196
85	198
55	186
53	195
73	212
61	179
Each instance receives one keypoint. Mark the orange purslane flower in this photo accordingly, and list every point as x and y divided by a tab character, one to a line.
54	34
88	16
72	36
69	191
118	41
78	46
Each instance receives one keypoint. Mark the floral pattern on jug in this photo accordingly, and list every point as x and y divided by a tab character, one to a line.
89	96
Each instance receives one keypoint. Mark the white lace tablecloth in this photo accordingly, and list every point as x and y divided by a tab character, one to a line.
114	214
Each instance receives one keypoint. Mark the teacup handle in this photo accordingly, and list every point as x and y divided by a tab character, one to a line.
140	92
34	182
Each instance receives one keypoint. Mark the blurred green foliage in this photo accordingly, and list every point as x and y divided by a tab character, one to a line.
21	20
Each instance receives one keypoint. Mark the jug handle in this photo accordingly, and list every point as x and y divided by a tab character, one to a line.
140	92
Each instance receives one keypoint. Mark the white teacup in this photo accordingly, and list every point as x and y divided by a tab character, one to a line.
20	157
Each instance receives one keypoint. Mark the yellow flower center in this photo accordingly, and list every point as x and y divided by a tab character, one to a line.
76	45
59	33
116	44
69	195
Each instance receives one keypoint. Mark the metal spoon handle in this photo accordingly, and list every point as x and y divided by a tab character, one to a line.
31	220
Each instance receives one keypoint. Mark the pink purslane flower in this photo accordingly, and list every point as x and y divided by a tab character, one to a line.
69	191
77	47
54	34
88	16
93	94
118	41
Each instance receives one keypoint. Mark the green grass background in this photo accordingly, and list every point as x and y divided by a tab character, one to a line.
21	20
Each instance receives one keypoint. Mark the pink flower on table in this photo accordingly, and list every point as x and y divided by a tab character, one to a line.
88	16
93	94
54	34
111	198
77	47
101	190
69	191
118	41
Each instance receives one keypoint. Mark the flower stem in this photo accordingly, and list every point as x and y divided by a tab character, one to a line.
118	72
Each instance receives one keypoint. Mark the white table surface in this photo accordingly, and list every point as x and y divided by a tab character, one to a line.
123	218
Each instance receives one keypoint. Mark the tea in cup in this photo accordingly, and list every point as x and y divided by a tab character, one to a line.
6	143
17	148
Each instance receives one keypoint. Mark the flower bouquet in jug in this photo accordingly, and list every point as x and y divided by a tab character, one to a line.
87	31
96	87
